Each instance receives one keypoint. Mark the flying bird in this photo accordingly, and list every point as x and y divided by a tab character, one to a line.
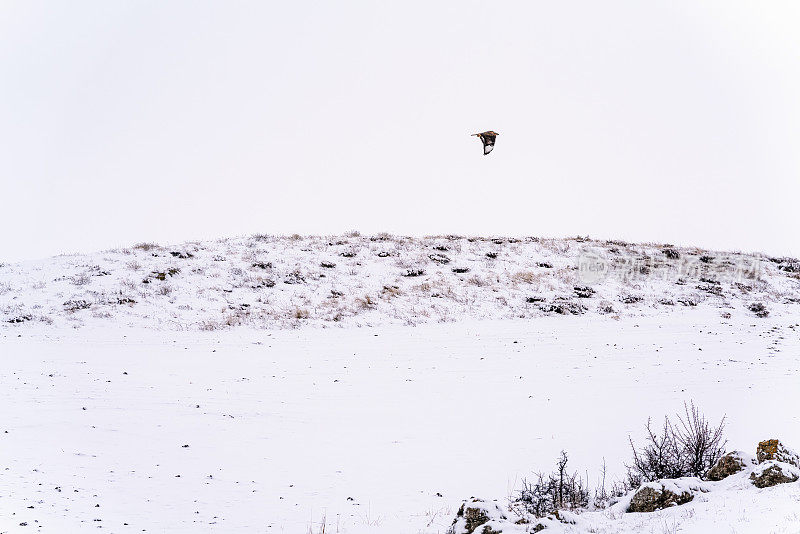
487	138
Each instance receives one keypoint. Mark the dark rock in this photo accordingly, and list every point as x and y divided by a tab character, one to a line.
649	499
772	473
793	267
75	305
460	270
583	292
182	255
294	278
731	463
564	307
773	449
476	513
671	253
759	309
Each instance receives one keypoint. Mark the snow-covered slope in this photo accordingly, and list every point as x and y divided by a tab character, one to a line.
372	430
190	401
278	282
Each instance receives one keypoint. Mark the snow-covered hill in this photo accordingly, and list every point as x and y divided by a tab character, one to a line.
170	389
279	282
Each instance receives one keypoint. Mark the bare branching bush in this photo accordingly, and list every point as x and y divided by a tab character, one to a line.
701	443
547	493
689	447
390	291
604	494
366	302
81	279
478	281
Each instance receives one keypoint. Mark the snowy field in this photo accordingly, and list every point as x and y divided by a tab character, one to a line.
374	430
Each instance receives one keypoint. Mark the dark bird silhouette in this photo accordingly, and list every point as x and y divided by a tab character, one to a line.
487	138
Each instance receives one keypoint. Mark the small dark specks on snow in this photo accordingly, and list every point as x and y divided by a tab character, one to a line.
185	446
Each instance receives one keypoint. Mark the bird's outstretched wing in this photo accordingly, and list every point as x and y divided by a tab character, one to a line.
487	138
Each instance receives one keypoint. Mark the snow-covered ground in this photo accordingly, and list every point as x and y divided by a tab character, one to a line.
233	386
287	282
373	430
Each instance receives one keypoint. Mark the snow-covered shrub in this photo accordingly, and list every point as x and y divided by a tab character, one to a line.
701	443
671	253
81	279
76	304
759	309
689	447
547	493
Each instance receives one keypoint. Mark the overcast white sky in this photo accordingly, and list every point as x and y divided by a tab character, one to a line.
167	121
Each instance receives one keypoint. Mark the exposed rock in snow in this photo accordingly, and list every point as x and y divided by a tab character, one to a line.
772	449
665	493
480	516
771	473
731	463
